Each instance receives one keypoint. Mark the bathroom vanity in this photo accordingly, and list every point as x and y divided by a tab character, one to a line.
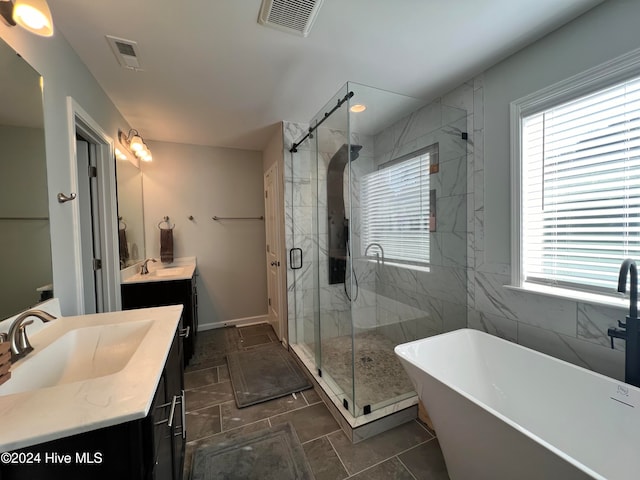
112	408
174	284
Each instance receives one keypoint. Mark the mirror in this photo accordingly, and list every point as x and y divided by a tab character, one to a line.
25	241
130	212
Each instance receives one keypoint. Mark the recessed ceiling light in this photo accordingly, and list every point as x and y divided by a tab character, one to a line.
357	108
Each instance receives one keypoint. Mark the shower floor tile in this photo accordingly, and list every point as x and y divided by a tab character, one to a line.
379	376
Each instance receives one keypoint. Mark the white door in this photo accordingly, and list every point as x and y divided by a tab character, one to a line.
275	265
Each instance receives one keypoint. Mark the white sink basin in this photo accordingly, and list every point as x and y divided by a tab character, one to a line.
168	272
80	354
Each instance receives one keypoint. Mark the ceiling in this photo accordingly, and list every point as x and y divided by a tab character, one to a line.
214	76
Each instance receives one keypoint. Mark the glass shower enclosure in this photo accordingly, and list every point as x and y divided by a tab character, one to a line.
378	196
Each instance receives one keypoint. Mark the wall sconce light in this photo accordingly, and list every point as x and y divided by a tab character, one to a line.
32	15
135	144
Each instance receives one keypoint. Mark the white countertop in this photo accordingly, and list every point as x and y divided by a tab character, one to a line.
183	267
31	417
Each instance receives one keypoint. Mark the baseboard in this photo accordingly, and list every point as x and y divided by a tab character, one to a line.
237	322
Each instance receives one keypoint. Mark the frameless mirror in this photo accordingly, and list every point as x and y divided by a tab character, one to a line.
130	213
25	241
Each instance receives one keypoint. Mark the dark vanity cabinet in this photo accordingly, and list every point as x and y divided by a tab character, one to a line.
151	448
162	293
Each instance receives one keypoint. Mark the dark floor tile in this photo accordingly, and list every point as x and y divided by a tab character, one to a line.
208	396
200	378
214	439
234	417
200	362
258	329
392	469
323	459
378	448
311	396
309	422
223	373
203	423
255	340
425	461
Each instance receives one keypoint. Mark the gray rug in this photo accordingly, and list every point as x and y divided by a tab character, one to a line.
264	373
271	454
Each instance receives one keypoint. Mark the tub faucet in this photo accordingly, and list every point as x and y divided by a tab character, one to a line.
378	255
630	329
17	335
144	270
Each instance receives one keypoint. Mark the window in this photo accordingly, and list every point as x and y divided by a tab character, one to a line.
580	188
395	208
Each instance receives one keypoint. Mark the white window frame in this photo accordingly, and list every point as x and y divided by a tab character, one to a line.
607	74
433	152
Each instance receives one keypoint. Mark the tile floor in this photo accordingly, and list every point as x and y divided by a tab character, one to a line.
409	451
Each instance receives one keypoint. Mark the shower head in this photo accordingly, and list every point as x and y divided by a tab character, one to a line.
355	151
340	158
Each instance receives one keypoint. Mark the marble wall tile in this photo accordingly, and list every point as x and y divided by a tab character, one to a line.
451	214
570	349
453	176
454	249
493	324
461	97
593	322
454	317
551	313
443	283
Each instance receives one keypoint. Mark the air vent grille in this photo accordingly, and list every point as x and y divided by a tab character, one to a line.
126	52
293	16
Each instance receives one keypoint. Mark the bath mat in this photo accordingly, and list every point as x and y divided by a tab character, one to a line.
264	373
271	454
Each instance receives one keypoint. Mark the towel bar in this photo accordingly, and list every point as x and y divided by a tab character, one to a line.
215	217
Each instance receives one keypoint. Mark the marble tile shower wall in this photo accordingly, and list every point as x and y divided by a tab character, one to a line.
401	303
417	303
572	331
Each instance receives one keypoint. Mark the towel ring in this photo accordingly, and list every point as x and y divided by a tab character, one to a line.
120	221
166	220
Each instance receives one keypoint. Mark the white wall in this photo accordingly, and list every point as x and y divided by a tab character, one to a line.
572	331
185	180
64	75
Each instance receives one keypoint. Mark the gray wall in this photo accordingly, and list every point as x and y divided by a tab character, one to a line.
201	181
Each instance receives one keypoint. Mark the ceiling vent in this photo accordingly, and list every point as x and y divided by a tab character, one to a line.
293	16
126	51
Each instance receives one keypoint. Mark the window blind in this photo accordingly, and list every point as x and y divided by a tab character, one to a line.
581	189
395	208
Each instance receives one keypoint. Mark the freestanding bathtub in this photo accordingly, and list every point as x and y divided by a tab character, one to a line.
504	412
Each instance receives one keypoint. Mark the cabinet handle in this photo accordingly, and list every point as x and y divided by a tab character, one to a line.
184	416
172	411
185	332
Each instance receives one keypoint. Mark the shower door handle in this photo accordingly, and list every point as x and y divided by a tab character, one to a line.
295	258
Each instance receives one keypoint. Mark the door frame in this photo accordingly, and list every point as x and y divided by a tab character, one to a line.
80	122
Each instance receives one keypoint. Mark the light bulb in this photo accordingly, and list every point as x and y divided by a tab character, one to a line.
136	143
34	15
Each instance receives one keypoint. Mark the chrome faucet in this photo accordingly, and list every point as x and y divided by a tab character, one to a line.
17	335
630	329
144	270
374	244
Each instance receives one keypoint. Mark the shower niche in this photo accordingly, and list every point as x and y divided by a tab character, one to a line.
364	174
